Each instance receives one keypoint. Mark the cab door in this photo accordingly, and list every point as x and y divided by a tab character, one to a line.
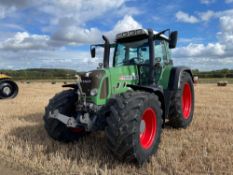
160	58
164	64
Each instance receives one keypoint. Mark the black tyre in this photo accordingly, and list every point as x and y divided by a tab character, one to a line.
134	126
182	103
64	102
8	89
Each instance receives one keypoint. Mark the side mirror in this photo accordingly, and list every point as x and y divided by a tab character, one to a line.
157	60
173	39
93	52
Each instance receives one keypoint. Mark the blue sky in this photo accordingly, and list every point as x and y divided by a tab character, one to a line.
57	33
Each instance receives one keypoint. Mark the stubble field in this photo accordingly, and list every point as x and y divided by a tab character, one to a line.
206	147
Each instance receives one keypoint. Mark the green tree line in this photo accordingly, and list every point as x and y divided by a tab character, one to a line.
40	74
223	73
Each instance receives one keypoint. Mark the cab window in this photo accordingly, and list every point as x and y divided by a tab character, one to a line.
160	52
132	53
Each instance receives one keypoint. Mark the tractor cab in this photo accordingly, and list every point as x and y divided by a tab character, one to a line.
148	50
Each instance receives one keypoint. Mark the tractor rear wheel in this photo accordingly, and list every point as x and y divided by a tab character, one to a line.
134	126
182	103
64	102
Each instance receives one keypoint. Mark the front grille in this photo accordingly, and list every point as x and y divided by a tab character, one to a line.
86	85
91	80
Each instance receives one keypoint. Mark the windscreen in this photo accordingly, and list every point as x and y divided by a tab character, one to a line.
137	52
132	53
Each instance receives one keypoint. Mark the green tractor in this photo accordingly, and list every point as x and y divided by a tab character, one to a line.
130	100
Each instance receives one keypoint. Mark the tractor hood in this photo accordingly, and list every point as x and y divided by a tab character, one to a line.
99	85
91	80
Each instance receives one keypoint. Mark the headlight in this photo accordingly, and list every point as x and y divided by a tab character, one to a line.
94	92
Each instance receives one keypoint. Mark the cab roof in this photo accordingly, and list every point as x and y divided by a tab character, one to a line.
137	32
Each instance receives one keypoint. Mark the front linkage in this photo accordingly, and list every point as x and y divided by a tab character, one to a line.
86	115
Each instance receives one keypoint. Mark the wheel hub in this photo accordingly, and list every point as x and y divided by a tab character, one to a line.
148	128
142	126
6	90
186	101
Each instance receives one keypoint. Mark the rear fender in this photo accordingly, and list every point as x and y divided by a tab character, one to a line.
174	84
176	72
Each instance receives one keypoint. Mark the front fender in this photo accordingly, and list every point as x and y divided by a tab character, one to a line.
156	90
73	86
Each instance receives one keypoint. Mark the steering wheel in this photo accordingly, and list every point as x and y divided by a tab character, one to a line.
134	60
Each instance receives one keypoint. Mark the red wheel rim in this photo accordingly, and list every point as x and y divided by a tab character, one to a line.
147	134
186	101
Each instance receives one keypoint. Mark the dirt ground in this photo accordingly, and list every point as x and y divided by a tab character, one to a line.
5	170
206	147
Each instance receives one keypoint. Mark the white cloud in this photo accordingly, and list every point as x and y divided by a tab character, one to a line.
47	59
226	34
190	40
7	7
26	49
77	35
12	26
16	3
70	18
184	17
207	1
66	24
206	16
72	34
202	16
4	11
24	41
69	22
228	1
212	55
226	24
127	23
200	50
81	11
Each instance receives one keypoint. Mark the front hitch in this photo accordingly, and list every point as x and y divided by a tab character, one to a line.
84	120
68	121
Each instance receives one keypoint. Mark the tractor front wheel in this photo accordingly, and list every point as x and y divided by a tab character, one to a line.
64	102
134	126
